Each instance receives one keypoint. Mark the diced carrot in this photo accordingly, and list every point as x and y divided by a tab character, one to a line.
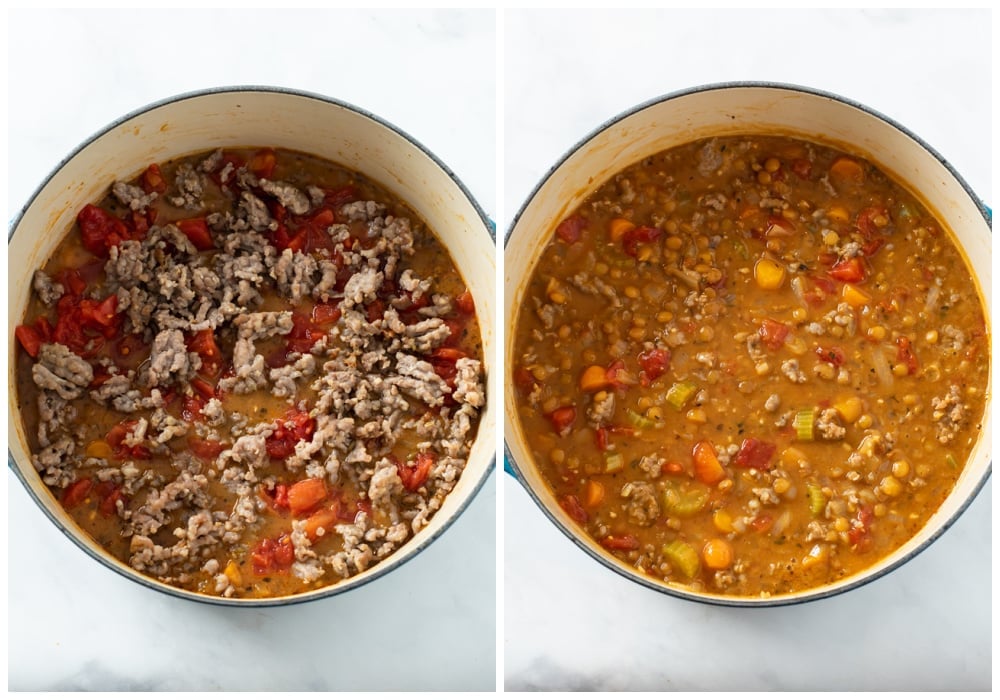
707	468
717	554
594	378
847	169
594	494
618	228
305	495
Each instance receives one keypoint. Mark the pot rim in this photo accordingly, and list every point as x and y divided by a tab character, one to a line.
391	563
874	572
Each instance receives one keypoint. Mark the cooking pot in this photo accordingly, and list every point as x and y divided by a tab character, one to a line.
280	118
731	109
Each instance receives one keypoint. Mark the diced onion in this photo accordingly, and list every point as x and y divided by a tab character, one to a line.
882	369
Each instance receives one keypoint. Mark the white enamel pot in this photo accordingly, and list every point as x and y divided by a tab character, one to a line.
259	116
728	109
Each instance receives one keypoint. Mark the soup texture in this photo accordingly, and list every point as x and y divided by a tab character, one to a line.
751	366
250	373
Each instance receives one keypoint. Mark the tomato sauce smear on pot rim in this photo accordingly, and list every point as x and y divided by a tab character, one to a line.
751	366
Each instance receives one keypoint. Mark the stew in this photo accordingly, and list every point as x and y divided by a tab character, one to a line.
751	365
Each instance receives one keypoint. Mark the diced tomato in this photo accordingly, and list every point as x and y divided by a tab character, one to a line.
835	356
206	449
278	495
457	331
414	474
191	407
152	180
762	523
755	454
29	338
138	222
562	419
203	388
303	335
601	436
860	533
305	495
873	246
571	504
850	270
294	427
524	380
640	234
375	310
262	162
326	314
312	234
72	280
465	303
802	167
335	199
99	315
100	230
773	334
618	376
203	344
866	221
76	492
109	501
620	542
323	519
905	354
197	232
570	229
116	438
273	555
654	363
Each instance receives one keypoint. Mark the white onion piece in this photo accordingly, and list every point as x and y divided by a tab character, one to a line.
882	369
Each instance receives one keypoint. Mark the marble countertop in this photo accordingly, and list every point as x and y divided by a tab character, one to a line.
75	625
572	624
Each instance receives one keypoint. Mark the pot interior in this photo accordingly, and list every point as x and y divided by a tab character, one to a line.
734	110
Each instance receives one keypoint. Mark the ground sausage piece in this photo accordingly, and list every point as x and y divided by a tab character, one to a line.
60	370
290	197
263	324
48	291
642	508
828	425
601	412
169	360
949	413
190	188
468	388
133	197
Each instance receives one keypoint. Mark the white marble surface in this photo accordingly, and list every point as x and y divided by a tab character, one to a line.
72	624
569	623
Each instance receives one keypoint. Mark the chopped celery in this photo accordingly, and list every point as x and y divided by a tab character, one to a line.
805	424
817	501
680	393
682	556
684	504
613	462
950	461
639	420
741	248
